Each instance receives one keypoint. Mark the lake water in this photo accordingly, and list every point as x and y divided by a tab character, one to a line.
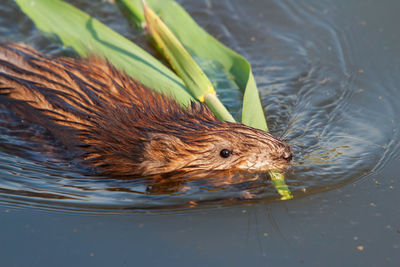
328	77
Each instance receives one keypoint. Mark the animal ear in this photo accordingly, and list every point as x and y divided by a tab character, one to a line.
163	142
161	153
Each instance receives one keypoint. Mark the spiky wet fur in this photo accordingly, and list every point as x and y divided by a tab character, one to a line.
119	127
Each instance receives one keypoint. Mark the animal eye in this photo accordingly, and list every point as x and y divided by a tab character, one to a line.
225	153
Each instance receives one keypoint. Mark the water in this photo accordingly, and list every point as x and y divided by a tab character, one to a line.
328	77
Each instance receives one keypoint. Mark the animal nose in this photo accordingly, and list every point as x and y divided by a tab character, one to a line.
287	154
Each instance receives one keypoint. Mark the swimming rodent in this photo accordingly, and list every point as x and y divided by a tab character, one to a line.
120	128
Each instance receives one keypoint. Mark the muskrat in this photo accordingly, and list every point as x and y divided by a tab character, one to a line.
119	127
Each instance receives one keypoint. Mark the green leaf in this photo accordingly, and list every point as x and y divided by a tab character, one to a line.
201	44
89	36
280	186
197	82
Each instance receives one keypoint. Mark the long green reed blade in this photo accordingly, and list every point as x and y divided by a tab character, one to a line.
181	61
201	44
89	36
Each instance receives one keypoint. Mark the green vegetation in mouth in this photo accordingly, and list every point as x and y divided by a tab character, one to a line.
179	38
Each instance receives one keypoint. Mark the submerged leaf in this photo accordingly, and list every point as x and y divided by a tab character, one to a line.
279	183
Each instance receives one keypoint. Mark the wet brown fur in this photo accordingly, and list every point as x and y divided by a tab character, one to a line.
119	127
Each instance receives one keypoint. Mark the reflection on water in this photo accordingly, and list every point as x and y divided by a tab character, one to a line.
315	96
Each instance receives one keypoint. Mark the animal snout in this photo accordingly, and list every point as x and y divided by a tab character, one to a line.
287	154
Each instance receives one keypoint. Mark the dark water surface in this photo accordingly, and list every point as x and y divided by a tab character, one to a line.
328	76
